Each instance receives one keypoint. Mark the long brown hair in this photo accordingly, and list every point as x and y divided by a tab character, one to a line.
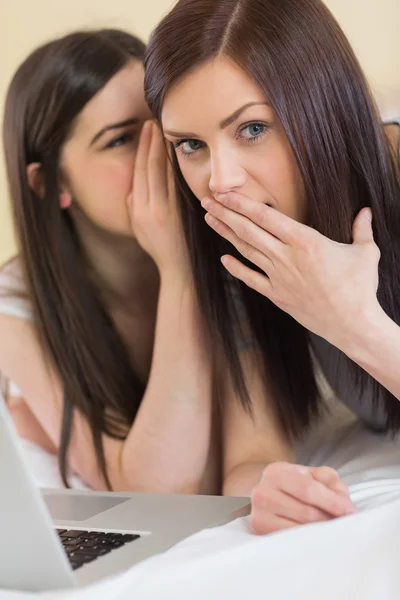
303	62
46	95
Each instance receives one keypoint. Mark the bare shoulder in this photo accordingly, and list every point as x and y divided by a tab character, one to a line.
14	297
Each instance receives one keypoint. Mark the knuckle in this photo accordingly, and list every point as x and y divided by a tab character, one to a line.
263	217
253	282
310	246
242	232
217	226
258	524
258	496
282	302
308	514
308	489
328	473
248	251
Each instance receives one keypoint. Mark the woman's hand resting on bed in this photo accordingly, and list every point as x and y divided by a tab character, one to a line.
289	495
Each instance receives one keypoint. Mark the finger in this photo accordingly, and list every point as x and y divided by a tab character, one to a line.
276	502
245	249
157	167
171	182
263	524
302	485
258	282
140	182
330	478
362	227
245	229
284	228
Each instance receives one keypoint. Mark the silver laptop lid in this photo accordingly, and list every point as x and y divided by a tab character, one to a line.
31	556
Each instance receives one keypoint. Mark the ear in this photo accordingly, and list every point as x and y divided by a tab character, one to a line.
35	178
36	184
65	200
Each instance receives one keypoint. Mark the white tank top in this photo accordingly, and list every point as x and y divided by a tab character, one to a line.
14	301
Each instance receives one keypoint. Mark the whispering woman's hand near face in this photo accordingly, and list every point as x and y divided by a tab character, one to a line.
152	204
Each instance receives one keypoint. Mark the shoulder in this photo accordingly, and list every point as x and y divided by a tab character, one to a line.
14	299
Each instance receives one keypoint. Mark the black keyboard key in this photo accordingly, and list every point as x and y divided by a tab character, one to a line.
103	543
70	543
71	533
70	549
129	537
83	547
100	550
83	552
82	557
95	551
90	535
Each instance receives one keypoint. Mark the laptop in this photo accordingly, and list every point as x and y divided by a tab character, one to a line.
59	538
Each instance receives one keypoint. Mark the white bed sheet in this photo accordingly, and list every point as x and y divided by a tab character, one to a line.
351	558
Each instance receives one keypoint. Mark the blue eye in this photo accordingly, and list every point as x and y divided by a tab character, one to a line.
189	146
253	131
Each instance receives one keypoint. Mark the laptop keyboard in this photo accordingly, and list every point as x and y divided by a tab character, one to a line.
83	547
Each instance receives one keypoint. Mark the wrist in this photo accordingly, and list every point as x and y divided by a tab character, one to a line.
363	336
178	273
177	279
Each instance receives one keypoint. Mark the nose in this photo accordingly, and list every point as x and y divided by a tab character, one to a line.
227	174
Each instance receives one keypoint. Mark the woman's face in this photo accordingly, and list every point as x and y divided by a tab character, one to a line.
228	138
99	157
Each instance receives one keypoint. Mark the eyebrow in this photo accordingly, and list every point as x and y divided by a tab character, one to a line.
113	126
223	124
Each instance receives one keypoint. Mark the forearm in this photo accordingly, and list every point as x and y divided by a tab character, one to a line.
374	345
167	447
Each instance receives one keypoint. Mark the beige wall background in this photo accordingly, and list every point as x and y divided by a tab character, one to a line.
373	27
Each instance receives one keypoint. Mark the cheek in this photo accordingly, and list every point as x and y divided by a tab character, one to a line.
197	176
281	177
112	178
101	190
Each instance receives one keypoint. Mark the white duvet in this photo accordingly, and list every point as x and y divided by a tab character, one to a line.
356	557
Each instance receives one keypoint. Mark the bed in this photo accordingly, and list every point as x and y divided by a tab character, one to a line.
348	558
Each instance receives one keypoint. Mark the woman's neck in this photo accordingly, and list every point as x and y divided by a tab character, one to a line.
125	274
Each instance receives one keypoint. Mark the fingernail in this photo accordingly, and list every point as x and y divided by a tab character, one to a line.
210	219
207	203
221	198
